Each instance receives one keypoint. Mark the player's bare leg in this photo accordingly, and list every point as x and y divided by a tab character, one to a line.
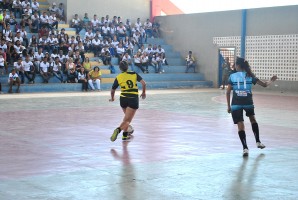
129	114
255	129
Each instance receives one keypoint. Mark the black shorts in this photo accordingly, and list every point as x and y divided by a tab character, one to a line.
237	115
129	102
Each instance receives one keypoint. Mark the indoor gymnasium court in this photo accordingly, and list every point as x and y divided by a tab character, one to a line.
58	146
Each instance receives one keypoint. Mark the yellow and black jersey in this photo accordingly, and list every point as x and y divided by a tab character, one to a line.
128	84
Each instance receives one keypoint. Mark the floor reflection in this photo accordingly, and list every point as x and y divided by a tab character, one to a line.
243	185
127	171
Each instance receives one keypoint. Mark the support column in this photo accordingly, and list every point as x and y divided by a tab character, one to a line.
243	33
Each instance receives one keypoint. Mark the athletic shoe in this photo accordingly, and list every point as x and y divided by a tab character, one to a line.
127	138
115	134
245	152
260	145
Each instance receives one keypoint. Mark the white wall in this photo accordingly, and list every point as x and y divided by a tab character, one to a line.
131	9
196	31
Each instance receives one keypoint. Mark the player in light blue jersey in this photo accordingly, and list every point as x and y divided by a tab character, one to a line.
241	83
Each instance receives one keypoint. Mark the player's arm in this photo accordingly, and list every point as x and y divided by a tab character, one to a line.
228	95
140	79
113	90
267	83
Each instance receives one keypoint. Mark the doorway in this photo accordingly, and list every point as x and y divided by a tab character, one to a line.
224	52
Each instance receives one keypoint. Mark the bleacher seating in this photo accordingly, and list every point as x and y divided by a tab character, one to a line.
174	76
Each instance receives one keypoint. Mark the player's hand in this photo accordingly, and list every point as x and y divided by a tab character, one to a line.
273	78
111	100
229	109
143	96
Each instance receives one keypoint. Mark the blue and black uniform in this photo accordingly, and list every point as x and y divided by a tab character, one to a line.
242	95
129	96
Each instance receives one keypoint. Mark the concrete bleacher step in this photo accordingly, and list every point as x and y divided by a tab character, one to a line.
168	69
153	77
60	26
178	84
76	87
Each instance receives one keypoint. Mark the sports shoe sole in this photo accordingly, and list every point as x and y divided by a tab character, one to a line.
114	135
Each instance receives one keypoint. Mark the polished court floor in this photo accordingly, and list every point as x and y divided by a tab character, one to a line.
185	146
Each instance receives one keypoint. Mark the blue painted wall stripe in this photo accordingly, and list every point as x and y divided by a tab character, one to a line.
243	33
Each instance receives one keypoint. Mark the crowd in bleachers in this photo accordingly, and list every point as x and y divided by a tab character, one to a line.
32	43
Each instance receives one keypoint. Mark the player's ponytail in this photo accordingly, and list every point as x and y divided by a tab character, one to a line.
123	66
244	65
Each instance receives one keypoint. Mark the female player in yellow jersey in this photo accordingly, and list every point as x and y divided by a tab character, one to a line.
129	97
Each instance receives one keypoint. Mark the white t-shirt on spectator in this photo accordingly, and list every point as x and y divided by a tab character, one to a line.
52	19
76	21
4	47
44	66
27	65
55	66
120	50
18	66
13	76
24	4
94	42
35	6
90	35
44	19
105	30
94	22
137	59
121	30
2	62
38	56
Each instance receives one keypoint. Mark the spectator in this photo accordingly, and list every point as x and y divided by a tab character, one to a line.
53	22
43	43
52	43
25	3
23	34
87	65
20	69
44	68
89	34
94	23
96	46
35	21
138	24
128	26
120	52
3	45
43	32
2	63
56	68
61	12
71	71
121	31
86	22
190	62
37	59
138	61
29	69
155	29
94	76
17	7
106	55
13	79
87	44
126	57
44	20
105	31
53	9
148	28
82	78
76	23
35	7
145	61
